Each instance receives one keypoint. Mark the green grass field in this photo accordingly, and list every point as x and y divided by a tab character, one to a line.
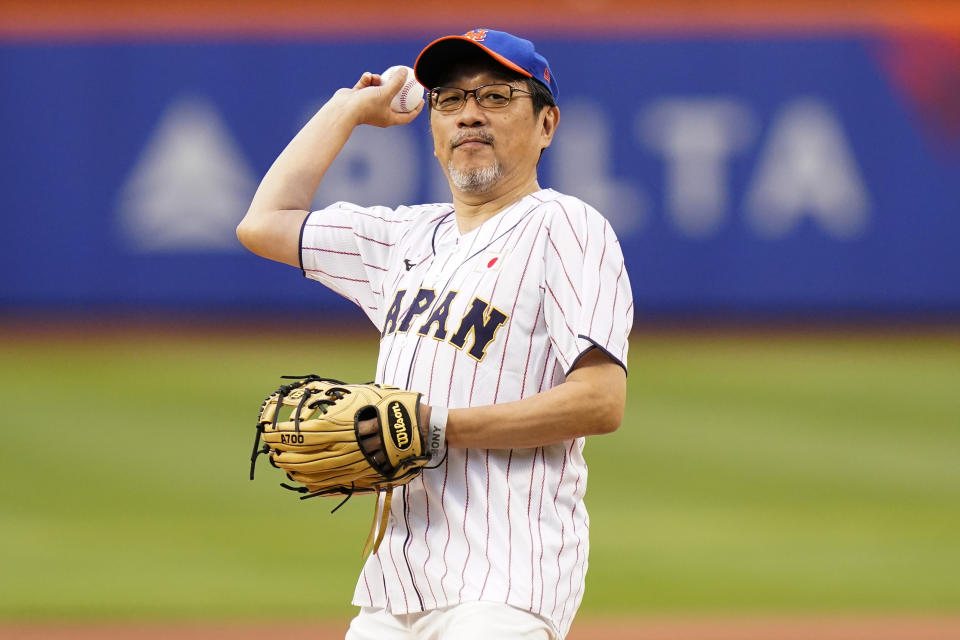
779	473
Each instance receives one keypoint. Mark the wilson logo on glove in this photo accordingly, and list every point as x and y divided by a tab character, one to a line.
400	425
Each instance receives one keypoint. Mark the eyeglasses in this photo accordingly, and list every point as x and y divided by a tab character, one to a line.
489	96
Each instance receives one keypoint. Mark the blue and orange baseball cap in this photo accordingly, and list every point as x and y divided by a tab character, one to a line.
510	51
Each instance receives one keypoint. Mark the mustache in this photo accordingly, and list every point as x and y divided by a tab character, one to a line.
472	135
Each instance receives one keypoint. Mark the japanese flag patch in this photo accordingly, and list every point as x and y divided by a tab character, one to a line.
489	261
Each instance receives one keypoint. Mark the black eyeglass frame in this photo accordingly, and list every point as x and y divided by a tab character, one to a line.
476	96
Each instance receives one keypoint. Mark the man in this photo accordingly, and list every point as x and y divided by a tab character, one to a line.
508	309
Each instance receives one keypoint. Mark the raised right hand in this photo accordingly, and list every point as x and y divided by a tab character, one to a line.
369	100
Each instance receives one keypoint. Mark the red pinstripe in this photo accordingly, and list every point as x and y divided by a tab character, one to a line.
381	375
563	527
476	365
396	362
447	231
560	306
496	229
403	236
393	288
572	230
328	226
426	563
369	239
407	543
466	509
486	548
342	253
603	254
628	320
543	480
573	522
383	576
367	585
563	267
446	566
403	589
581	582
526	365
433	367
543	375
330	275
382	219
616	292
473	382
533	470
509	529
586	267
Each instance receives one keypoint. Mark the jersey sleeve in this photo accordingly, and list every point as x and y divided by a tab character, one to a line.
348	248
587	298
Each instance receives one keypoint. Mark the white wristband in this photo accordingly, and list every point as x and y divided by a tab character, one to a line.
437	432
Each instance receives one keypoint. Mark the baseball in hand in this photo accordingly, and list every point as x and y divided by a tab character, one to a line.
411	93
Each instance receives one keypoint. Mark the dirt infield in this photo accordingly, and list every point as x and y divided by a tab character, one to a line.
767	628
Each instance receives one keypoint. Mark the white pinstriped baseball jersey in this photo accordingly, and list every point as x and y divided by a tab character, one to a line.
494	315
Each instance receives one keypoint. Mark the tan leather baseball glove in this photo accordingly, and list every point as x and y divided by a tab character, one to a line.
338	439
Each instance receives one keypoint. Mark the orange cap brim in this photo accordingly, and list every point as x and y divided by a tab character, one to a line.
493	54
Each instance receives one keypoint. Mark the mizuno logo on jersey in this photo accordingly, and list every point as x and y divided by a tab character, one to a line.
480	321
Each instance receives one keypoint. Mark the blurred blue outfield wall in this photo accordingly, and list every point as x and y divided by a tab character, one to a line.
758	175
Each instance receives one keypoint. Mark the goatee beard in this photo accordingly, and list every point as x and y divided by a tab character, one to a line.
476	180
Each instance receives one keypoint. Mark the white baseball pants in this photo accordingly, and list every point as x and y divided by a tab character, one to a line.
465	621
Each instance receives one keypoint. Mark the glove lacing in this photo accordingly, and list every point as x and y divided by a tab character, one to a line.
378	527
381	516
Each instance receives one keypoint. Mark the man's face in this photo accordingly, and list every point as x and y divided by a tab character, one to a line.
485	151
